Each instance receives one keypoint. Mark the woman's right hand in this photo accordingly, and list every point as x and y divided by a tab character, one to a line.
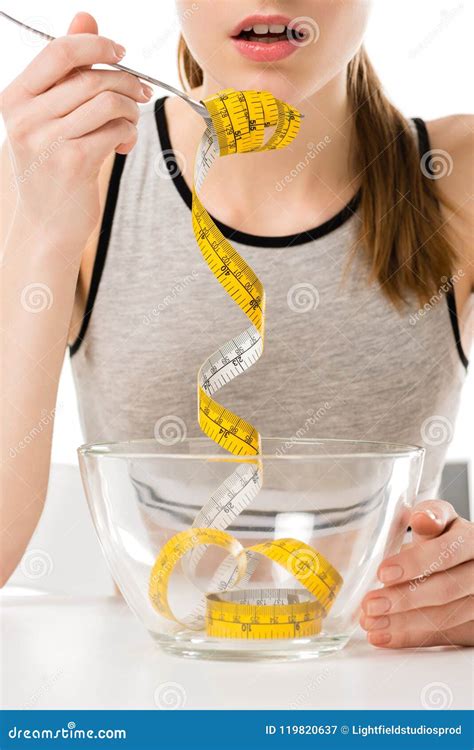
62	121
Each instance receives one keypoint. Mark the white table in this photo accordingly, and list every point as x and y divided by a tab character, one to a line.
82	653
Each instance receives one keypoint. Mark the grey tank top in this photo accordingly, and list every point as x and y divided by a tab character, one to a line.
339	361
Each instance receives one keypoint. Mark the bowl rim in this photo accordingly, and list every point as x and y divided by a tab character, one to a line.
391	449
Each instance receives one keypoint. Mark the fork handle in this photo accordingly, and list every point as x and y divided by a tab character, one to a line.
199	108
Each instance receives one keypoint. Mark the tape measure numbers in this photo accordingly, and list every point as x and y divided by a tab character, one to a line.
319	580
236	124
258	613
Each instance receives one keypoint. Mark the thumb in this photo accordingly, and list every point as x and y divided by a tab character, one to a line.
83	23
430	518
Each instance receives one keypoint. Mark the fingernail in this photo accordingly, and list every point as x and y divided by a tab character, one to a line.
390	573
376	623
377	606
119	51
429	513
379	639
147	91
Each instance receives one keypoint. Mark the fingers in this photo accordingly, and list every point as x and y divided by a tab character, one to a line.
453	548
64	54
434	590
92	115
84	85
428	597
406	629
118	135
423	620
462	635
430	518
83	23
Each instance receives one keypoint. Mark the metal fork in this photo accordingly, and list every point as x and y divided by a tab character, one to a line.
197	106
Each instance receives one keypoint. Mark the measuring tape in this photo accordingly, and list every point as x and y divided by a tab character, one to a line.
236	124
262	613
318	577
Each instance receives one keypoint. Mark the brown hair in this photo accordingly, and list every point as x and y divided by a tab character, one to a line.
402	230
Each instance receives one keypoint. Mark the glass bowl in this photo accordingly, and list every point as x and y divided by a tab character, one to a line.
318	515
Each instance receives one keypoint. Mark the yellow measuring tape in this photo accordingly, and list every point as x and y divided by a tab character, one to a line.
236	124
246	614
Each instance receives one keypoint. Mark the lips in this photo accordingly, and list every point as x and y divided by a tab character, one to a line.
265	38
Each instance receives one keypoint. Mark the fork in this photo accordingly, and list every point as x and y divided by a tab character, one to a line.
197	106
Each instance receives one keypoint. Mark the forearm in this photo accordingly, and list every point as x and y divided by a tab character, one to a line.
38	279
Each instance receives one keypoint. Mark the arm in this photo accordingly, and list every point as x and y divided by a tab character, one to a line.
453	139
427	595
63	121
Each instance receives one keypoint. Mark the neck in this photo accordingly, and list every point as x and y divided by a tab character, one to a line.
322	142
292	189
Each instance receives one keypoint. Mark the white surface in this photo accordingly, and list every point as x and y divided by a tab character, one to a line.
93	653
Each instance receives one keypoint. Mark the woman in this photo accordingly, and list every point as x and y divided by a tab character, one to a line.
360	240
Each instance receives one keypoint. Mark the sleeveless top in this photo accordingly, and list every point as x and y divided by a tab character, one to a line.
339	361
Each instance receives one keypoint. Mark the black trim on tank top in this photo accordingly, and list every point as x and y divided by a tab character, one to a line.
453	316
102	247
249	239
254	240
425	147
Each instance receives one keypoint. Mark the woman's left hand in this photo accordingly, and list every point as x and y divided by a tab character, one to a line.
427	598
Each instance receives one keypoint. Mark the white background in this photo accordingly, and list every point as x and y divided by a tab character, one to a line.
421	49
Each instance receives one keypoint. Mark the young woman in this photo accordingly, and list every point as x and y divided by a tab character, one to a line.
366	212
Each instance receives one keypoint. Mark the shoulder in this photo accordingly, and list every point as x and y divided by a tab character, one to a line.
453	137
452	154
452	132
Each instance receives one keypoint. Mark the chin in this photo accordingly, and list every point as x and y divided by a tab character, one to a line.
265	79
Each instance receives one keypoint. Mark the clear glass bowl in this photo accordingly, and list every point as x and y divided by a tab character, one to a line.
332	509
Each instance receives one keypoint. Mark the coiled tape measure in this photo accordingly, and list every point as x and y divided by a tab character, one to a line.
236	124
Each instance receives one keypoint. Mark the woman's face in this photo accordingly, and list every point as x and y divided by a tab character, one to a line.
290	47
